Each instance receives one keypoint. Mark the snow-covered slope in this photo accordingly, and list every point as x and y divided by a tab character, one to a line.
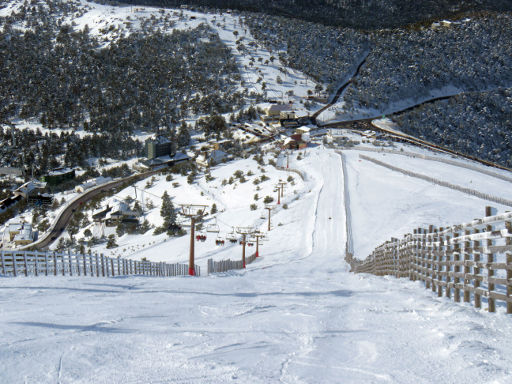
296	315
257	65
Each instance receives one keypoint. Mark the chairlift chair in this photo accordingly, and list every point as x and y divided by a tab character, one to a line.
201	237
232	237
213	228
220	241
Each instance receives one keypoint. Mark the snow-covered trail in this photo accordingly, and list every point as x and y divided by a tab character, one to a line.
295	316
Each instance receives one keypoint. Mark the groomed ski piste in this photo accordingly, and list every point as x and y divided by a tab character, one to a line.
295	315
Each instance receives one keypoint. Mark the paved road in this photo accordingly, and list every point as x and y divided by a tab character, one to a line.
65	216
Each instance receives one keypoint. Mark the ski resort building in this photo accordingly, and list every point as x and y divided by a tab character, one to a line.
273	112
18	234
92	183
158	147
30	188
59	176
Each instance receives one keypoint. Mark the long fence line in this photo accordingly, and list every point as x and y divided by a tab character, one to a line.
34	263
471	261
296	171
349	248
228	265
434	158
469	191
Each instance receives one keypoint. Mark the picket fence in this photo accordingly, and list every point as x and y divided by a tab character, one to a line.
472	259
228	265
33	263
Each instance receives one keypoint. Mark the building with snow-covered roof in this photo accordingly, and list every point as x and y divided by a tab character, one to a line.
29	188
167	160
9	202
211	158
92	183
120	212
84	187
19	233
273	111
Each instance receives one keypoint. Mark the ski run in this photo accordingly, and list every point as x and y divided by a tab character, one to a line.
295	315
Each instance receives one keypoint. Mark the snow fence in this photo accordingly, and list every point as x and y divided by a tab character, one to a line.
33	263
469	191
471	261
438	159
228	265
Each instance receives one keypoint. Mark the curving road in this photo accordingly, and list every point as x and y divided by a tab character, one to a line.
65	215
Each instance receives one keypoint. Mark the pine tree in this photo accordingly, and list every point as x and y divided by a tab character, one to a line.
183	135
169	215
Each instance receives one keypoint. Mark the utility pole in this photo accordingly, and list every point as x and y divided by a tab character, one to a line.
259	236
269	209
244	231
195	213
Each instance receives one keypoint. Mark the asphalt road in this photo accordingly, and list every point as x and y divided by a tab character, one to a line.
65	216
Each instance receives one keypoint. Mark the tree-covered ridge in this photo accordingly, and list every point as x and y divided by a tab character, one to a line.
361	14
66	78
472	55
327	54
38	152
479	124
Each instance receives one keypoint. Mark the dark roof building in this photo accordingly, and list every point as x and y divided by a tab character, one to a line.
58	176
167	160
158	147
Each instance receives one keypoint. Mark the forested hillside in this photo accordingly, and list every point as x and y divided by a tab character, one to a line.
472	55
367	14
327	54
409	65
402	64
478	123
39	152
66	78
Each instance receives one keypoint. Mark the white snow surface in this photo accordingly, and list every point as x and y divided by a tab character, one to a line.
296	315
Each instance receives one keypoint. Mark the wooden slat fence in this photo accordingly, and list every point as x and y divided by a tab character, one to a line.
34	263
470	262
228	265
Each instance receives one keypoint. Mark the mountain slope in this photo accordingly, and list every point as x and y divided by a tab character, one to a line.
366	14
